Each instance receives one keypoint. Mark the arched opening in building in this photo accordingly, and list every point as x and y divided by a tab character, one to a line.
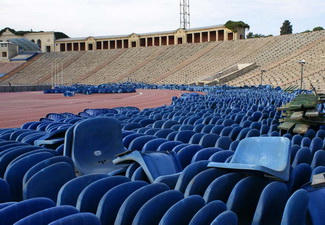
39	43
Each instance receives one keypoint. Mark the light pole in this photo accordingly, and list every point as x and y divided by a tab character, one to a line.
262	71
302	63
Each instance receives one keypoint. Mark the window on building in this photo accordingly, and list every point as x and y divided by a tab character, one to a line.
105	44
4	54
205	36
82	46
75	47
69	47
119	44
112	44
189	38
230	36
62	47
164	40
156	41
98	45
134	44
197	38
142	42
126	43
213	36
171	40
48	48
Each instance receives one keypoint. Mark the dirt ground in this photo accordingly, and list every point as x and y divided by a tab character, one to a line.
21	107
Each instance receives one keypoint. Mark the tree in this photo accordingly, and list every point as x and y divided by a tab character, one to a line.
318	28
235	25
286	28
249	35
252	35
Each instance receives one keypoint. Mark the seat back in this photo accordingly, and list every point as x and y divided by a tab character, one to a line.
270	155
95	143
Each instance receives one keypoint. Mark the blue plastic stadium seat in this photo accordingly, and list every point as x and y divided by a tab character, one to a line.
96	141
136	200
39	185
5	195
9	155
271	204
19	210
299	176
196	138
69	192
153	145
208	213
315	145
139	142
310	134
169	145
186	154
270	155
303	155
183	211
296	208
244	197
223	142
318	159
113	199
47	216
77	219
208	140
154	209
221	187
163	133
90	196
296	139
45	163
205	154
201	181
305	142
227	217
184	135
16	171
153	163
221	156
189	173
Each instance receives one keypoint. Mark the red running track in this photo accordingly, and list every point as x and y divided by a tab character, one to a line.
21	107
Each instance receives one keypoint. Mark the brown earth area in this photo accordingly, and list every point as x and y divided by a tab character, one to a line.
21	107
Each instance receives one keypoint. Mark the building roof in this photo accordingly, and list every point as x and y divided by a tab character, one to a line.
140	34
25	44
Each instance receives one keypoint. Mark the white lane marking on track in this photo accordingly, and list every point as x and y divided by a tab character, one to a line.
140	93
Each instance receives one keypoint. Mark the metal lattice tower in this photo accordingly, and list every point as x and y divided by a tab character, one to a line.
185	14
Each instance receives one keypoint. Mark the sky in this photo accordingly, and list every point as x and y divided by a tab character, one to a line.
83	18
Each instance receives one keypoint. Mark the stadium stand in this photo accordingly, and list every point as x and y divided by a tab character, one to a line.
188	63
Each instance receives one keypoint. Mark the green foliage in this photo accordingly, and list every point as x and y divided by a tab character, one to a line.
318	28
286	28
59	35
252	35
234	25
19	33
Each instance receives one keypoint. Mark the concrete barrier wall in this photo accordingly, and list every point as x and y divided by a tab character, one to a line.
23	88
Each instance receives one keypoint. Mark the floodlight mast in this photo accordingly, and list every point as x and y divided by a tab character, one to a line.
185	14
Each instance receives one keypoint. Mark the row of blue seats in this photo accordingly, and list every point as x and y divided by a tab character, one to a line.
194	181
190	179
